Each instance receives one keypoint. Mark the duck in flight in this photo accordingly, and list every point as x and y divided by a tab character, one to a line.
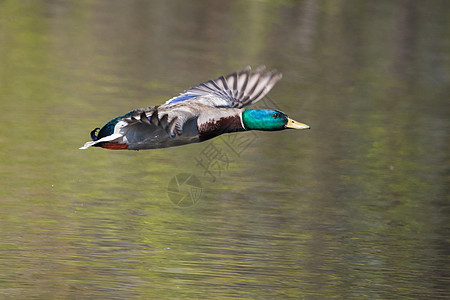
198	114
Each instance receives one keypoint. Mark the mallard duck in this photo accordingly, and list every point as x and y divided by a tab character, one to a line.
198	114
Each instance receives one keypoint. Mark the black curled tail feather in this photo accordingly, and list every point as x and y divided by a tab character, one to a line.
94	135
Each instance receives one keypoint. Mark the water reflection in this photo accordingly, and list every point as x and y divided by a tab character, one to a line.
354	208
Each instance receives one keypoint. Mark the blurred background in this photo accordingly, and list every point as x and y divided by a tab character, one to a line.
355	208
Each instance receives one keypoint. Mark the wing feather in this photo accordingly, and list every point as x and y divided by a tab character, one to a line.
169	118
237	89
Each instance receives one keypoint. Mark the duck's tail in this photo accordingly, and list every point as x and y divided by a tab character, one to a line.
94	134
94	137
96	142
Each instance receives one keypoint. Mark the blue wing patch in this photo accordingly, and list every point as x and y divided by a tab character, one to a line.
181	98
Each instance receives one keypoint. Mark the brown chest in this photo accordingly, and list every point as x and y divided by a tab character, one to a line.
212	127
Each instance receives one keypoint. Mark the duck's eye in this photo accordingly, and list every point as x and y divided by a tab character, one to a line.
276	116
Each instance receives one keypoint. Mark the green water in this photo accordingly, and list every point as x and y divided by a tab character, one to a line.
355	208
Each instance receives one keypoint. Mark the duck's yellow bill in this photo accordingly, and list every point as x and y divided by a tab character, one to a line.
296	125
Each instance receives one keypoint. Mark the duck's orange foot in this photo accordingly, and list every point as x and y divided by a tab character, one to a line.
114	146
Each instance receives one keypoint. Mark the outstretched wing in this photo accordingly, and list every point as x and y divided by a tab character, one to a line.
234	90
170	120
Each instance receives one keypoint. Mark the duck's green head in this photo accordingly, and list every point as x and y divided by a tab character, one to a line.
268	119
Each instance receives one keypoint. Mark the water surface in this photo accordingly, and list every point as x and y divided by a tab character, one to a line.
356	208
